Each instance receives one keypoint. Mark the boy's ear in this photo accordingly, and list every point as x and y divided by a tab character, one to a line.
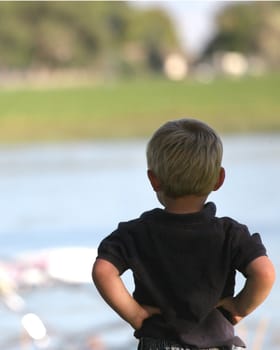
220	180
153	180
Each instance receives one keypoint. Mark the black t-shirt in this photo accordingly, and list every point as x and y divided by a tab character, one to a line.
183	264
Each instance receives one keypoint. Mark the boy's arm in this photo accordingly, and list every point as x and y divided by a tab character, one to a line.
109	284
260	276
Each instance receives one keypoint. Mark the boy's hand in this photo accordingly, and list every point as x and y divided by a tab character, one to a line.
260	276
151	310
111	287
147	312
228	309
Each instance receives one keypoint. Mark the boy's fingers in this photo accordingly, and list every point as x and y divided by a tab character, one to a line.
151	309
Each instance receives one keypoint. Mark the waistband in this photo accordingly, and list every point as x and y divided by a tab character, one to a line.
163	344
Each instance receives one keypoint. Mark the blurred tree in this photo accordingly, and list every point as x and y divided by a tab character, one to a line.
152	32
99	34
249	27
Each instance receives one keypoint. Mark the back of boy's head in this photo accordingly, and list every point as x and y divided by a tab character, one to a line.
185	155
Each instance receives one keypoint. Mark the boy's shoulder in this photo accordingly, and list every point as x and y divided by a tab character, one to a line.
233	228
231	224
137	222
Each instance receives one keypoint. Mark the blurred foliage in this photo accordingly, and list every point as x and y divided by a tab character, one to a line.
116	37
251	27
100	34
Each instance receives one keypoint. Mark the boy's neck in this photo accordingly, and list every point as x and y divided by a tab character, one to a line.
184	205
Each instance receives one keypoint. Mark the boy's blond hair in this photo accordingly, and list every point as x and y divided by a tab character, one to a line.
185	155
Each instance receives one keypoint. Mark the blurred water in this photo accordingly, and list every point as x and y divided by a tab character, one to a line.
74	194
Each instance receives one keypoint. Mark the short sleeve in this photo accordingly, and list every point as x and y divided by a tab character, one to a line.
113	249
246	248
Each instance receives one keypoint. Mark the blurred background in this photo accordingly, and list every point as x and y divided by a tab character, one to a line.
82	87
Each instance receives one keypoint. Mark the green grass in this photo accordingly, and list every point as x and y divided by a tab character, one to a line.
136	108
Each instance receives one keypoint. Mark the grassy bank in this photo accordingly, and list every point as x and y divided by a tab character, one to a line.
135	108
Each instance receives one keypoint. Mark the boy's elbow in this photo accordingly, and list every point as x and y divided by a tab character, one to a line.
102	269
94	272
270	275
97	270
263	270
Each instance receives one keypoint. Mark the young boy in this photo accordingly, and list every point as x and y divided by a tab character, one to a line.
183	257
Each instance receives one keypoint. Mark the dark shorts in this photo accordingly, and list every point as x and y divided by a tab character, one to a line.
161	344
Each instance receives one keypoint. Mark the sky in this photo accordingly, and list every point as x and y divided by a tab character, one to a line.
194	20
